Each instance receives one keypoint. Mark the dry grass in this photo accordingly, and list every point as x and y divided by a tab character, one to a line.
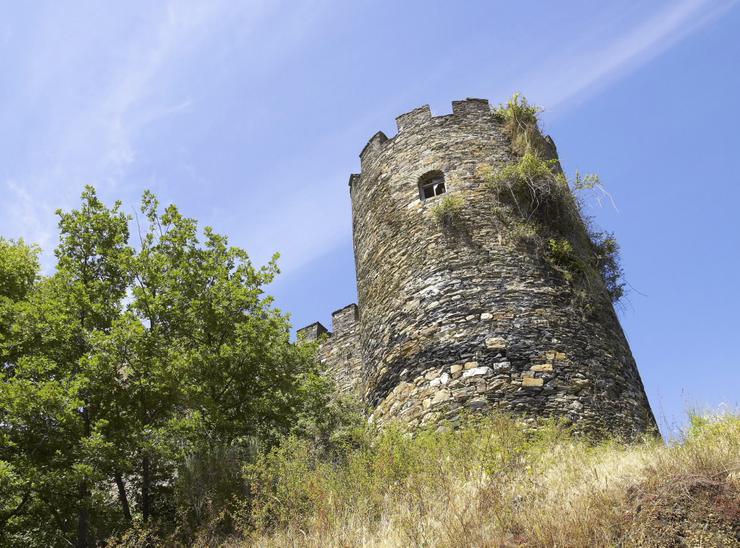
496	485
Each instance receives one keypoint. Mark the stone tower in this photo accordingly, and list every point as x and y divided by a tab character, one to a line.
469	321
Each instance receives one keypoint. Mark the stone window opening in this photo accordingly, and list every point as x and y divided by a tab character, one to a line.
432	184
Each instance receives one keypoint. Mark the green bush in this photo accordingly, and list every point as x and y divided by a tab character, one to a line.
528	186
607	261
447	213
208	483
563	256
540	206
496	482
520	120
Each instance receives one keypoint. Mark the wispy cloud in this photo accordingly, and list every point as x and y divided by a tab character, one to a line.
303	224
25	213
582	69
92	140
107	86
576	71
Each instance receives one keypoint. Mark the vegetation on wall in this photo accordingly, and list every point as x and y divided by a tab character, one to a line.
447	212
528	186
520	121
541	205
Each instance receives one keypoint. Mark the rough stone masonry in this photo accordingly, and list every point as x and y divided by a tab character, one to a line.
446	324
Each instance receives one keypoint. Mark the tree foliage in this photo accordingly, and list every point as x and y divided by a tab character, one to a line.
132	365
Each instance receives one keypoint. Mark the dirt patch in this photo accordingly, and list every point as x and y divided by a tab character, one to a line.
684	511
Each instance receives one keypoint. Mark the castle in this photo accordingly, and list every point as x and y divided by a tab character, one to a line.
466	320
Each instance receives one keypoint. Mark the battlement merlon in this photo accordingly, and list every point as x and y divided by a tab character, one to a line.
344	319
461	110
415	117
471	106
353	179
312	332
373	147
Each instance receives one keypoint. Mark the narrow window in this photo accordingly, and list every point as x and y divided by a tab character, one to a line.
432	184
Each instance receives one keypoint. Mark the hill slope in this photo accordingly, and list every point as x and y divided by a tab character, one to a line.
496	484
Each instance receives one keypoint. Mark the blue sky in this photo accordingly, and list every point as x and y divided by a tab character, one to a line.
251	115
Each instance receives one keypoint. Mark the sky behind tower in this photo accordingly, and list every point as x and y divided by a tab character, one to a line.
251	115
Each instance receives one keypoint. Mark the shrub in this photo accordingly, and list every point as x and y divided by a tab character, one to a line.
447	213
207	484
520	121
539	205
497	483
563	257
607	261
527	186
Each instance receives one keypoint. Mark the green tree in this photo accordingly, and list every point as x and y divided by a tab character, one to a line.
217	368
132	371
18	273
50	396
19	270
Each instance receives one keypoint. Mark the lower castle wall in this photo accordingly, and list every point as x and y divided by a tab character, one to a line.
511	340
339	351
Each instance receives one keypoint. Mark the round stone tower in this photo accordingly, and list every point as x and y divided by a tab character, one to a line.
450	322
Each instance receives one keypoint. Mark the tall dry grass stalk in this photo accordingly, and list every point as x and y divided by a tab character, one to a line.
496	484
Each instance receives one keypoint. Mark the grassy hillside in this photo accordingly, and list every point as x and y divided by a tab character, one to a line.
492	484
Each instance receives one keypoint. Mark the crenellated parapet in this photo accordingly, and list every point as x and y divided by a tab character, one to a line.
471	107
339	351
463	112
312	332
414	118
373	148
345	319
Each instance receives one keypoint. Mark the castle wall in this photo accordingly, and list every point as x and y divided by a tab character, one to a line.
339	351
470	321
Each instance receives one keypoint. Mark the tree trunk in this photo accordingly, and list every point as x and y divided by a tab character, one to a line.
123	498
83	493
83	516
145	489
